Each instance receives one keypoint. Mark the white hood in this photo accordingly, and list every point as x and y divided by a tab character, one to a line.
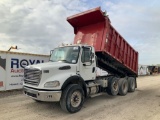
49	65
56	71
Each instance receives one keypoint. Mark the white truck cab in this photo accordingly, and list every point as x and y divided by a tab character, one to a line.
71	64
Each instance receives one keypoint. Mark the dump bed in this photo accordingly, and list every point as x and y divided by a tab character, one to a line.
114	54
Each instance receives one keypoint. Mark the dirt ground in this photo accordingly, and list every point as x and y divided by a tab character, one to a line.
143	104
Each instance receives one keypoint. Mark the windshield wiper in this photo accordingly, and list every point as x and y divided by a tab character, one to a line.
65	61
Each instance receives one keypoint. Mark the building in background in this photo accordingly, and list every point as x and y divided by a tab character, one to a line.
148	69
143	70
12	66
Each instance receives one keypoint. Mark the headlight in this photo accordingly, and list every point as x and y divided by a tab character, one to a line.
52	84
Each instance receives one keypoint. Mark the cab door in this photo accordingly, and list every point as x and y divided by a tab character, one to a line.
87	64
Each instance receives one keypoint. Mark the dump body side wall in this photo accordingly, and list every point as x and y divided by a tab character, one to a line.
114	54
117	47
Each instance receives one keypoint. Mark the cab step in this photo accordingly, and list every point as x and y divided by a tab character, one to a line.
95	95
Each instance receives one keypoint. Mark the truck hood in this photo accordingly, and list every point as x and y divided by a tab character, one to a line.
58	71
49	65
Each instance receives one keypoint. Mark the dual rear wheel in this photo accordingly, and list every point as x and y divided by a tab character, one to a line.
120	86
72	98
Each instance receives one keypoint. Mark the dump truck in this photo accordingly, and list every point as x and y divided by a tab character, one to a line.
70	75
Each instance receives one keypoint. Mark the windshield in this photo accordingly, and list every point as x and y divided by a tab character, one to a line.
67	54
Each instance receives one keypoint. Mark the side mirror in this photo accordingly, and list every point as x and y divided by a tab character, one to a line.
92	58
51	52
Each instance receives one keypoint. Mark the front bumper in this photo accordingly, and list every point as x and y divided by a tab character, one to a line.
50	96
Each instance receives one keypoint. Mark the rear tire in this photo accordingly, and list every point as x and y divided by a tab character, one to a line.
123	86
131	84
72	98
113	86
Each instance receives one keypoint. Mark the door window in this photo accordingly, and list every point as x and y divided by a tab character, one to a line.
86	54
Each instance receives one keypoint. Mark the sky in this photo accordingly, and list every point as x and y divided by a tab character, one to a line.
37	26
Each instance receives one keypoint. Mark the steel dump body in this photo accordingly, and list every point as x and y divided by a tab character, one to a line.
113	52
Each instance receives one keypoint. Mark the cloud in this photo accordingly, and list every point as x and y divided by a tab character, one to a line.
139	23
37	26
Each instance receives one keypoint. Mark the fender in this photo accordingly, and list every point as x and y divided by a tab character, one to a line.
77	80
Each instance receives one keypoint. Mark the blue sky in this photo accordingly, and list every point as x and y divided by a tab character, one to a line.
37	26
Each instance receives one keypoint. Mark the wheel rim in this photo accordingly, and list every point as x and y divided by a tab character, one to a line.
76	98
115	86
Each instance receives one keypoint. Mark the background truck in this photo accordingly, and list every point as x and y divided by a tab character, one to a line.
153	70
70	76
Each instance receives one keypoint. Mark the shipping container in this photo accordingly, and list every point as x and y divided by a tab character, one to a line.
12	68
114	53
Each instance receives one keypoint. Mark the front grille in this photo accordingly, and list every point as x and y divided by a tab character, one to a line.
32	76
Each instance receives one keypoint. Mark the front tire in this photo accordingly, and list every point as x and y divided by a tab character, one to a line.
72	98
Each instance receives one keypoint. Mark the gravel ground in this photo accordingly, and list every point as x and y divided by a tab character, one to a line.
143	104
